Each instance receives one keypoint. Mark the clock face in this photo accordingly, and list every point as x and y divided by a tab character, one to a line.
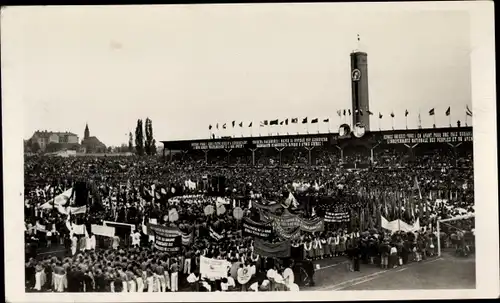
356	75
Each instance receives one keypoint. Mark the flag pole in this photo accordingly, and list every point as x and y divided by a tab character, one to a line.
434	116
449	118
406	121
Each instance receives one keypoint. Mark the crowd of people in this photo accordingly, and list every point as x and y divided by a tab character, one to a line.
135	190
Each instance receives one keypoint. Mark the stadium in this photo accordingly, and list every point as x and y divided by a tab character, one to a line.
324	211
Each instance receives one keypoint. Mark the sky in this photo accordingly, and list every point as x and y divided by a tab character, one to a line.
186	67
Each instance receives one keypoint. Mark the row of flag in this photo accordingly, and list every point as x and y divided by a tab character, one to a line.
327	120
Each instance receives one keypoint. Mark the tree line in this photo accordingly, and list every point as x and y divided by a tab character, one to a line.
145	144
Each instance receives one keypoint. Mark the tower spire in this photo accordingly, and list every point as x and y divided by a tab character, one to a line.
86	134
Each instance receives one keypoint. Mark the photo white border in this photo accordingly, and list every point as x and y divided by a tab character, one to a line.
485	174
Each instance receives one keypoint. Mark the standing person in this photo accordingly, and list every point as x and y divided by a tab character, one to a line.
174	275
393	256
384	254
356	253
74	244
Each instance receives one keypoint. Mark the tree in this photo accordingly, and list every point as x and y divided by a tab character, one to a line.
130	142
147	142
150	144
139	138
53	147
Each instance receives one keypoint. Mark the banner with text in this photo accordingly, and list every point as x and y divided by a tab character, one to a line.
260	230
337	217
166	238
213	268
432	136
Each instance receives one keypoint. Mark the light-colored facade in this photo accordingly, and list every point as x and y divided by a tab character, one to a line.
44	138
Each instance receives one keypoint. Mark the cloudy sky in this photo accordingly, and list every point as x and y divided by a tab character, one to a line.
186	67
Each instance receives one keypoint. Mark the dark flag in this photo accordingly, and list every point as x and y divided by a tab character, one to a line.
314	120
431	112
349	110
250	125
326	120
448	111
273	122
295	120
224	126
217	126
234	122
369	112
406	113
344	112
380	115
286	121
468	111
361	112
281	123
304	120
241	124
339	112
210	126
392	114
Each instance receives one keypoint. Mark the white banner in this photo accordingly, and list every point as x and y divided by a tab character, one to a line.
399	225
102	230
212	268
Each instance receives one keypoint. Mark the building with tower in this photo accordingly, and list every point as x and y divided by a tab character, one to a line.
92	144
359	84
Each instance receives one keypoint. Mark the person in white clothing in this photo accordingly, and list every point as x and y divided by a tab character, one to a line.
288	276
74	243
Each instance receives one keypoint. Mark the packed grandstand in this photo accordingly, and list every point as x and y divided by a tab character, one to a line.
245	214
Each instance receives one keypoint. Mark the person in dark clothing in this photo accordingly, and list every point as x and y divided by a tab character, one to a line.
356	255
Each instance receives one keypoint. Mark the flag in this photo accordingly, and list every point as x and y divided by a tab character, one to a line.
304	120
273	122
217	126
448	111
344	112
349	110
286	121
339	112
314	120
406	113
263	123
250	125
210	126
380	115
468	111
295	120
369	112
392	114
234	123
431	112
359	111
418	188
224	126
241	124
281	122
326	120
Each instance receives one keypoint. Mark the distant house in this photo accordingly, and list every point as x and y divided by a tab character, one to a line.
92	144
62	139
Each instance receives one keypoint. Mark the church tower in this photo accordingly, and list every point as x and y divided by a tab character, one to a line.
86	134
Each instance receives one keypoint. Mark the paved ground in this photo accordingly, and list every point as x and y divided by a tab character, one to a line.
445	272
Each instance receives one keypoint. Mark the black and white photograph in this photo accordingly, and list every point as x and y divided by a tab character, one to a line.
328	148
